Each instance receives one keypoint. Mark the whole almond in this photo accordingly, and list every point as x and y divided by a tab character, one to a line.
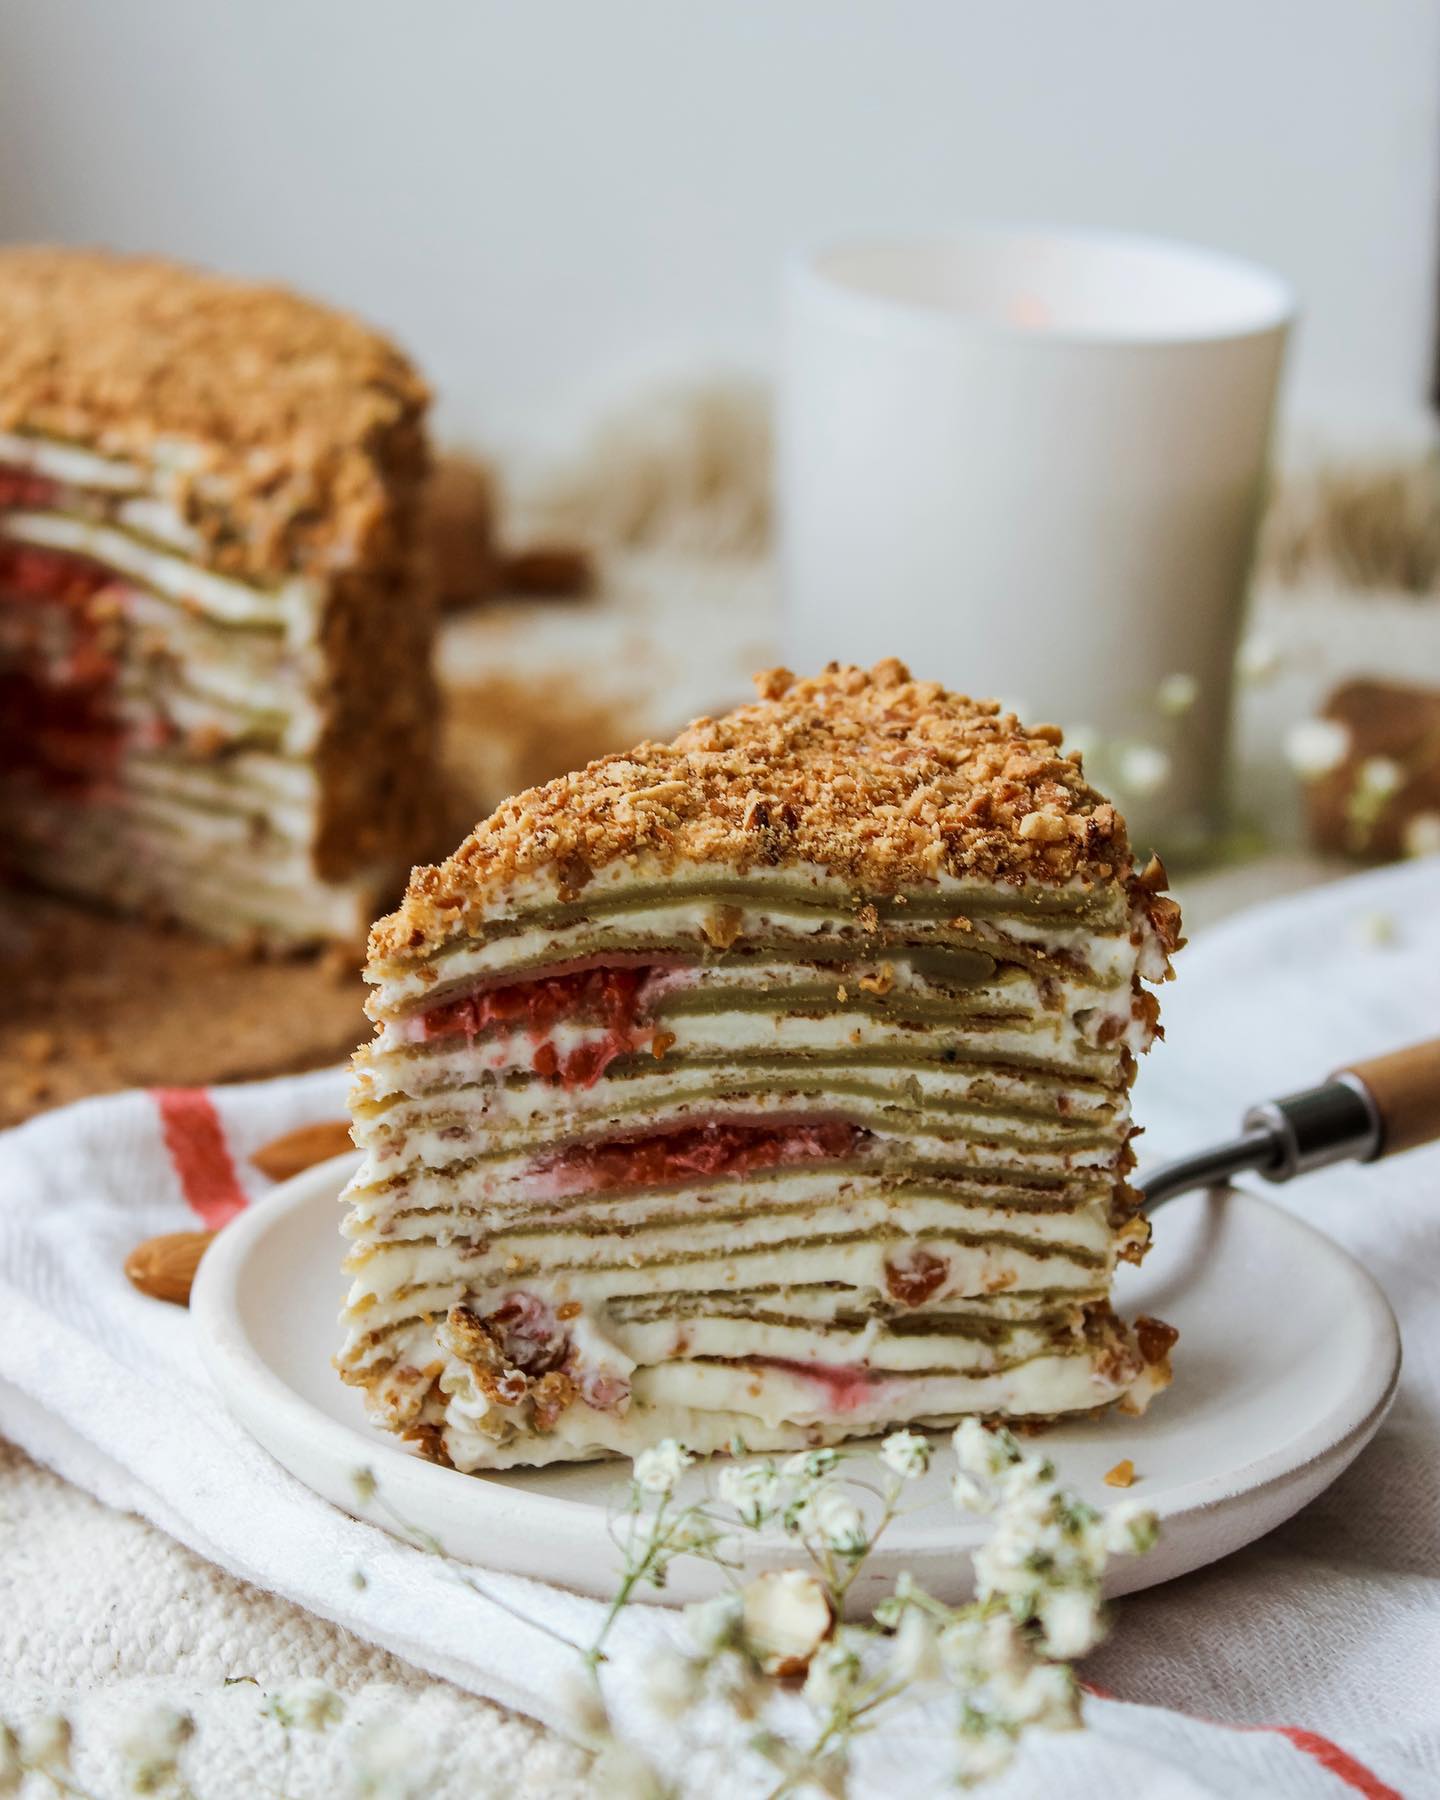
285	1156
164	1267
555	571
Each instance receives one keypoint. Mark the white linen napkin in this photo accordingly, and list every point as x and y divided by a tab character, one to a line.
1318	1647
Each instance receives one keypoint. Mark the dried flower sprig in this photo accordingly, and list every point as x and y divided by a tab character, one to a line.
1002	1660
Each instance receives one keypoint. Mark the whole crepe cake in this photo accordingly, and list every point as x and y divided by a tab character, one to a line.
216	701
769	1084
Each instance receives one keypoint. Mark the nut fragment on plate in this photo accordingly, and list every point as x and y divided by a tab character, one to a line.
285	1156
787	1618
1122	1475
164	1267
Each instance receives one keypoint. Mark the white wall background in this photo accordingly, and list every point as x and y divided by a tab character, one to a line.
539	194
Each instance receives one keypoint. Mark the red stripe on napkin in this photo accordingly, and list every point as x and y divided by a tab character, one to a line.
1330	1757
201	1157
1339	1762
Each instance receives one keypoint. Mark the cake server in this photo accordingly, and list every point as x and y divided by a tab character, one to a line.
1364	1111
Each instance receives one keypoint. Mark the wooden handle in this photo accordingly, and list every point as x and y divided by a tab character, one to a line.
1405	1086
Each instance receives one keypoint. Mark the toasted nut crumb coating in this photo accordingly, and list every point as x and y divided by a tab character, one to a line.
885	781
277	426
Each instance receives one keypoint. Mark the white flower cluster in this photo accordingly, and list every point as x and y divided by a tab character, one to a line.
1002	1659
151	1750
307	1705
1048	1550
658	1469
42	1748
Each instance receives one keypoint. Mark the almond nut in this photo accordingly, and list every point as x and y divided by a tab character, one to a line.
556	571
285	1156
164	1267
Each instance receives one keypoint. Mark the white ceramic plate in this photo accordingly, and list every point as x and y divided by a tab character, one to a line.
1287	1363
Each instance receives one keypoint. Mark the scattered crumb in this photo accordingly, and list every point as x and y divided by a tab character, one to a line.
881	981
1122	1475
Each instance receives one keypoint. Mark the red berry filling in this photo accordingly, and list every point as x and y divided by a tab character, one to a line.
702	1150
57	666
21	488
608	999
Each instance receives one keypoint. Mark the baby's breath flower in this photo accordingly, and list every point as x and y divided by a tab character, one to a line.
1316	746
584	1708
834	1518
387	1762
307	1706
811	1465
672	1684
1421	836
12	1770
660	1467
1069	1621
690	1534
1129	1528
735	1681
1176	694
981	1752
916	1656
968	1494
45	1744
713	1624
1084	738
1046	1696
1379	777
1029	1479
1143	769
834	1672
621	1772
1260	659
1003	1649
907	1453
983	1453
753	1489
152	1748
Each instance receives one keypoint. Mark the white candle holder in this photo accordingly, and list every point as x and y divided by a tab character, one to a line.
1031	463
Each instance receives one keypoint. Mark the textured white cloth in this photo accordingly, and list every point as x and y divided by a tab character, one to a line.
1330	1627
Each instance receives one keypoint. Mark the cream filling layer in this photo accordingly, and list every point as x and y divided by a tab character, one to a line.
708	1039
84	853
770	1258
1111	958
705	1407
295	606
69	464
413	1140
1043	908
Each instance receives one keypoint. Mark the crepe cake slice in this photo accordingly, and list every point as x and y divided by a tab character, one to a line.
771	1083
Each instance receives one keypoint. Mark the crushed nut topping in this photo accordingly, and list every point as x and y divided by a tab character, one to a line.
885	781
284	414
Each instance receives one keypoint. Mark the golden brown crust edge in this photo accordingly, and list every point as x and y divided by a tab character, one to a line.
888	782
